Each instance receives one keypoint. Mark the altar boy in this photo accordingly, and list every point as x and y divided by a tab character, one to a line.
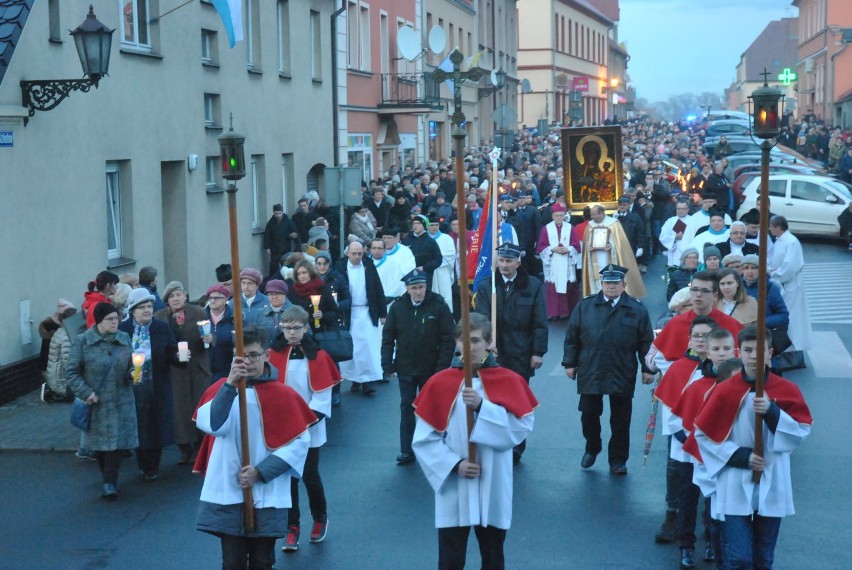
724	429
472	493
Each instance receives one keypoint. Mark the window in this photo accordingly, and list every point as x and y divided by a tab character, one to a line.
258	192
777	188
360	154
209	48
213	174
316	47
134	24
252	35
804	190
212	111
53	21
358	36
113	211
287	181
284	36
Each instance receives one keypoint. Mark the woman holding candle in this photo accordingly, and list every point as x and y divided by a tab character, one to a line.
221	317
311	293
190	381
155	408
97	373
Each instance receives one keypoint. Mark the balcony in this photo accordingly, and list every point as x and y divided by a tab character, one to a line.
409	93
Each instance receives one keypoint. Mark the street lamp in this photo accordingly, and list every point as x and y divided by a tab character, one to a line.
93	41
764	106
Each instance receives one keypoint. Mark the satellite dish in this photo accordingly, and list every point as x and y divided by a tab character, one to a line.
494	80
437	40
525	86
408	43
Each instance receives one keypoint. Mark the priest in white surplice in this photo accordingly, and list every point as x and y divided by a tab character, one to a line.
671	235
442	278
785	265
391	268
472	494
559	249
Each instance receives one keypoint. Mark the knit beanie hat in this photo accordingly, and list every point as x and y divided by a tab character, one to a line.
102	310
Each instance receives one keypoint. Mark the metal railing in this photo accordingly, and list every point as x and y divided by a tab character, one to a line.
410	89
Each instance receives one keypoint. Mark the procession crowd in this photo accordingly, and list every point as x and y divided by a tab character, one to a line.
386	308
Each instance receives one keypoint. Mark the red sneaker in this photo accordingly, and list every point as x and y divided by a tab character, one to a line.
319	531
291	543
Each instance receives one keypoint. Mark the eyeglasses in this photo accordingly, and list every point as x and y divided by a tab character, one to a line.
697	291
110	319
698	336
216	299
254	356
291	328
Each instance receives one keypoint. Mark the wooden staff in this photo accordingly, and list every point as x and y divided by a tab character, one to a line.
495	238
248	499
464	287
762	278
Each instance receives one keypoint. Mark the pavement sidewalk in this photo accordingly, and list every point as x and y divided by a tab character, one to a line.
28	424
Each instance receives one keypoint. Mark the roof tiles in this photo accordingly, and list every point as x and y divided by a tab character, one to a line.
13	17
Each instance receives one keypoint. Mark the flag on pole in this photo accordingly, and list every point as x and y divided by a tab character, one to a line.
231	12
474	59
479	258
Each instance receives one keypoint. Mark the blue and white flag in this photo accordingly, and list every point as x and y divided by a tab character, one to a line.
231	12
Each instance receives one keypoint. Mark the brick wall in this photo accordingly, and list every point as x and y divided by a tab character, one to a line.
19	378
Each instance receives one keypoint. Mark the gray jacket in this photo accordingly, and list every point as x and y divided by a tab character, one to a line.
103	366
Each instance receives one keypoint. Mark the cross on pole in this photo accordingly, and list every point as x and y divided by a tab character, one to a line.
765	75
457	76
787	76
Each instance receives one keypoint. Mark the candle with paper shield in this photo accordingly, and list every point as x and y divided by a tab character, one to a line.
138	359
204	329
315	301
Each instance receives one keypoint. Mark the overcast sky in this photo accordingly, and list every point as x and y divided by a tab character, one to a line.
680	46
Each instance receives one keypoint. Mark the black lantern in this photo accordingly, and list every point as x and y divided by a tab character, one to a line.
766	112
93	41
232	154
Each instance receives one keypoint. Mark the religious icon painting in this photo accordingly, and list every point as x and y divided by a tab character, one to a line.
592	160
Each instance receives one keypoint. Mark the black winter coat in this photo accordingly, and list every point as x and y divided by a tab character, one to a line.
155	404
426	253
375	292
276	236
423	336
634	228
521	320
606	344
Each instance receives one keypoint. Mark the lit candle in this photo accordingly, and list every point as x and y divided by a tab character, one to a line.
204	329
315	301
183	351
138	360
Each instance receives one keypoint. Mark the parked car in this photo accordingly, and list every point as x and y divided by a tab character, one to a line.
777	168
721	115
739	143
811	204
727	127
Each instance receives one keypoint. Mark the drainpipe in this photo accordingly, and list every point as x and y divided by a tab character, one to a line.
335	121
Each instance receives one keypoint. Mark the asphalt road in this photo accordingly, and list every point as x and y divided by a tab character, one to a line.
381	515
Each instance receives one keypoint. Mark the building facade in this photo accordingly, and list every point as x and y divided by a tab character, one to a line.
775	50
564	53
127	175
824	68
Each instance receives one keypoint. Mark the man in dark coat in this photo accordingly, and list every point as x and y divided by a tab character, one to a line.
427	254
634	227
721	187
417	342
303	219
276	237
608	336
379	207
521	326
528	225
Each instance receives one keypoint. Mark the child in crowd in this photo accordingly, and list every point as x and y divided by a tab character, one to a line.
310	371
278	421
724	430
470	493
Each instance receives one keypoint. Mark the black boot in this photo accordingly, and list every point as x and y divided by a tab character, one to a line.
668	529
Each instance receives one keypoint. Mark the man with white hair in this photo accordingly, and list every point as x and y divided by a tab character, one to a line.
736	242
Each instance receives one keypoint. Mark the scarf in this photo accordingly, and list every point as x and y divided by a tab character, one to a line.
305	290
366	219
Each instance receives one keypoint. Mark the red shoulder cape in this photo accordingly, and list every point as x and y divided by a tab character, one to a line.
691	401
717	416
435	402
673	340
322	373
674	381
290	418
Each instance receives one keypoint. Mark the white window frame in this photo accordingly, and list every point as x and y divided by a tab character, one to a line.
255	195
316	45
252	35
283	21
211	110
209	47
113	219
364	38
135	42
362	143
286	173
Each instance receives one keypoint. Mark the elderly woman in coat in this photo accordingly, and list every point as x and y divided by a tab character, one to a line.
98	373
155	404
188	382
363	224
